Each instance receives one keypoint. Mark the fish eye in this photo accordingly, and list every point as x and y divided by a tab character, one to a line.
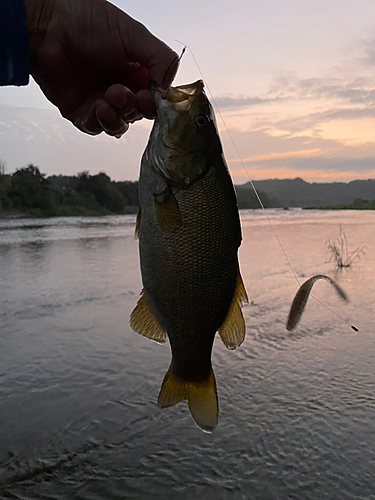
201	121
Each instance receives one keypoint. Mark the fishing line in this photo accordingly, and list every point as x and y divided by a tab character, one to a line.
353	327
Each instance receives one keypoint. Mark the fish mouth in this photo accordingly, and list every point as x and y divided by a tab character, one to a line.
183	92
182	97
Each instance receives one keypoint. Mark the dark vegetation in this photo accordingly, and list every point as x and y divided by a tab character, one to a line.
29	193
357	204
340	253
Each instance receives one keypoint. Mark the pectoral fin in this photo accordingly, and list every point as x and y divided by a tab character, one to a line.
168	215
201	396
137	224
143	321
232	331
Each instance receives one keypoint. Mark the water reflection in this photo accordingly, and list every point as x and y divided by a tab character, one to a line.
78	388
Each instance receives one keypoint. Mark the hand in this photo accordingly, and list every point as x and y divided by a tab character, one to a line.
95	63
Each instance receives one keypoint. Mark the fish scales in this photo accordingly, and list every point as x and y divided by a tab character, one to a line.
188	242
193	286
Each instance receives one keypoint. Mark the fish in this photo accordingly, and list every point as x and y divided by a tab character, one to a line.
302	295
189	234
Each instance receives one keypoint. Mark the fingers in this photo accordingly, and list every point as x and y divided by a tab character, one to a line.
110	121
124	103
101	117
146	104
131	107
161	61
113	114
142	46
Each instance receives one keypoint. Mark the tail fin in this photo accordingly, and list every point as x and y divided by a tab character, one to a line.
201	397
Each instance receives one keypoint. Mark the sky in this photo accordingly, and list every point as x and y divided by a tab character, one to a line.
293	80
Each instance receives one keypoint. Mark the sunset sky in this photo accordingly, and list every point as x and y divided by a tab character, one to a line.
294	81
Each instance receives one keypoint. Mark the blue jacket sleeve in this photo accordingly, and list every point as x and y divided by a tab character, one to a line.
14	49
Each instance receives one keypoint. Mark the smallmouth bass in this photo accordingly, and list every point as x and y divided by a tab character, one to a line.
189	234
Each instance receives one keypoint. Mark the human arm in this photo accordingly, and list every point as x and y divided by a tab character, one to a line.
14	58
95	63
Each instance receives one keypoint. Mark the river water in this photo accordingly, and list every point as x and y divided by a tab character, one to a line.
78	388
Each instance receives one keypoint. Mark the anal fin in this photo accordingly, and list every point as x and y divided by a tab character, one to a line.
143	321
201	397
232	331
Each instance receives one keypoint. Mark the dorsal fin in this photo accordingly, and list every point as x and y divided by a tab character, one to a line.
232	331
143	321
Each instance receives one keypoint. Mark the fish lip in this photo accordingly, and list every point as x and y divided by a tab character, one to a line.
196	87
180	92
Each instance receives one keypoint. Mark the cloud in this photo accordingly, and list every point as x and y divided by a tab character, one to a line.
350	83
321	164
315	169
311	120
305	153
369	52
314	158
316	128
43	137
261	145
240	102
359	91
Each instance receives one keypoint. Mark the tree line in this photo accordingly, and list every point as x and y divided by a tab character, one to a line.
31	193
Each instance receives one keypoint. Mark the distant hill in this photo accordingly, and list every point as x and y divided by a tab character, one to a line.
29	193
298	193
